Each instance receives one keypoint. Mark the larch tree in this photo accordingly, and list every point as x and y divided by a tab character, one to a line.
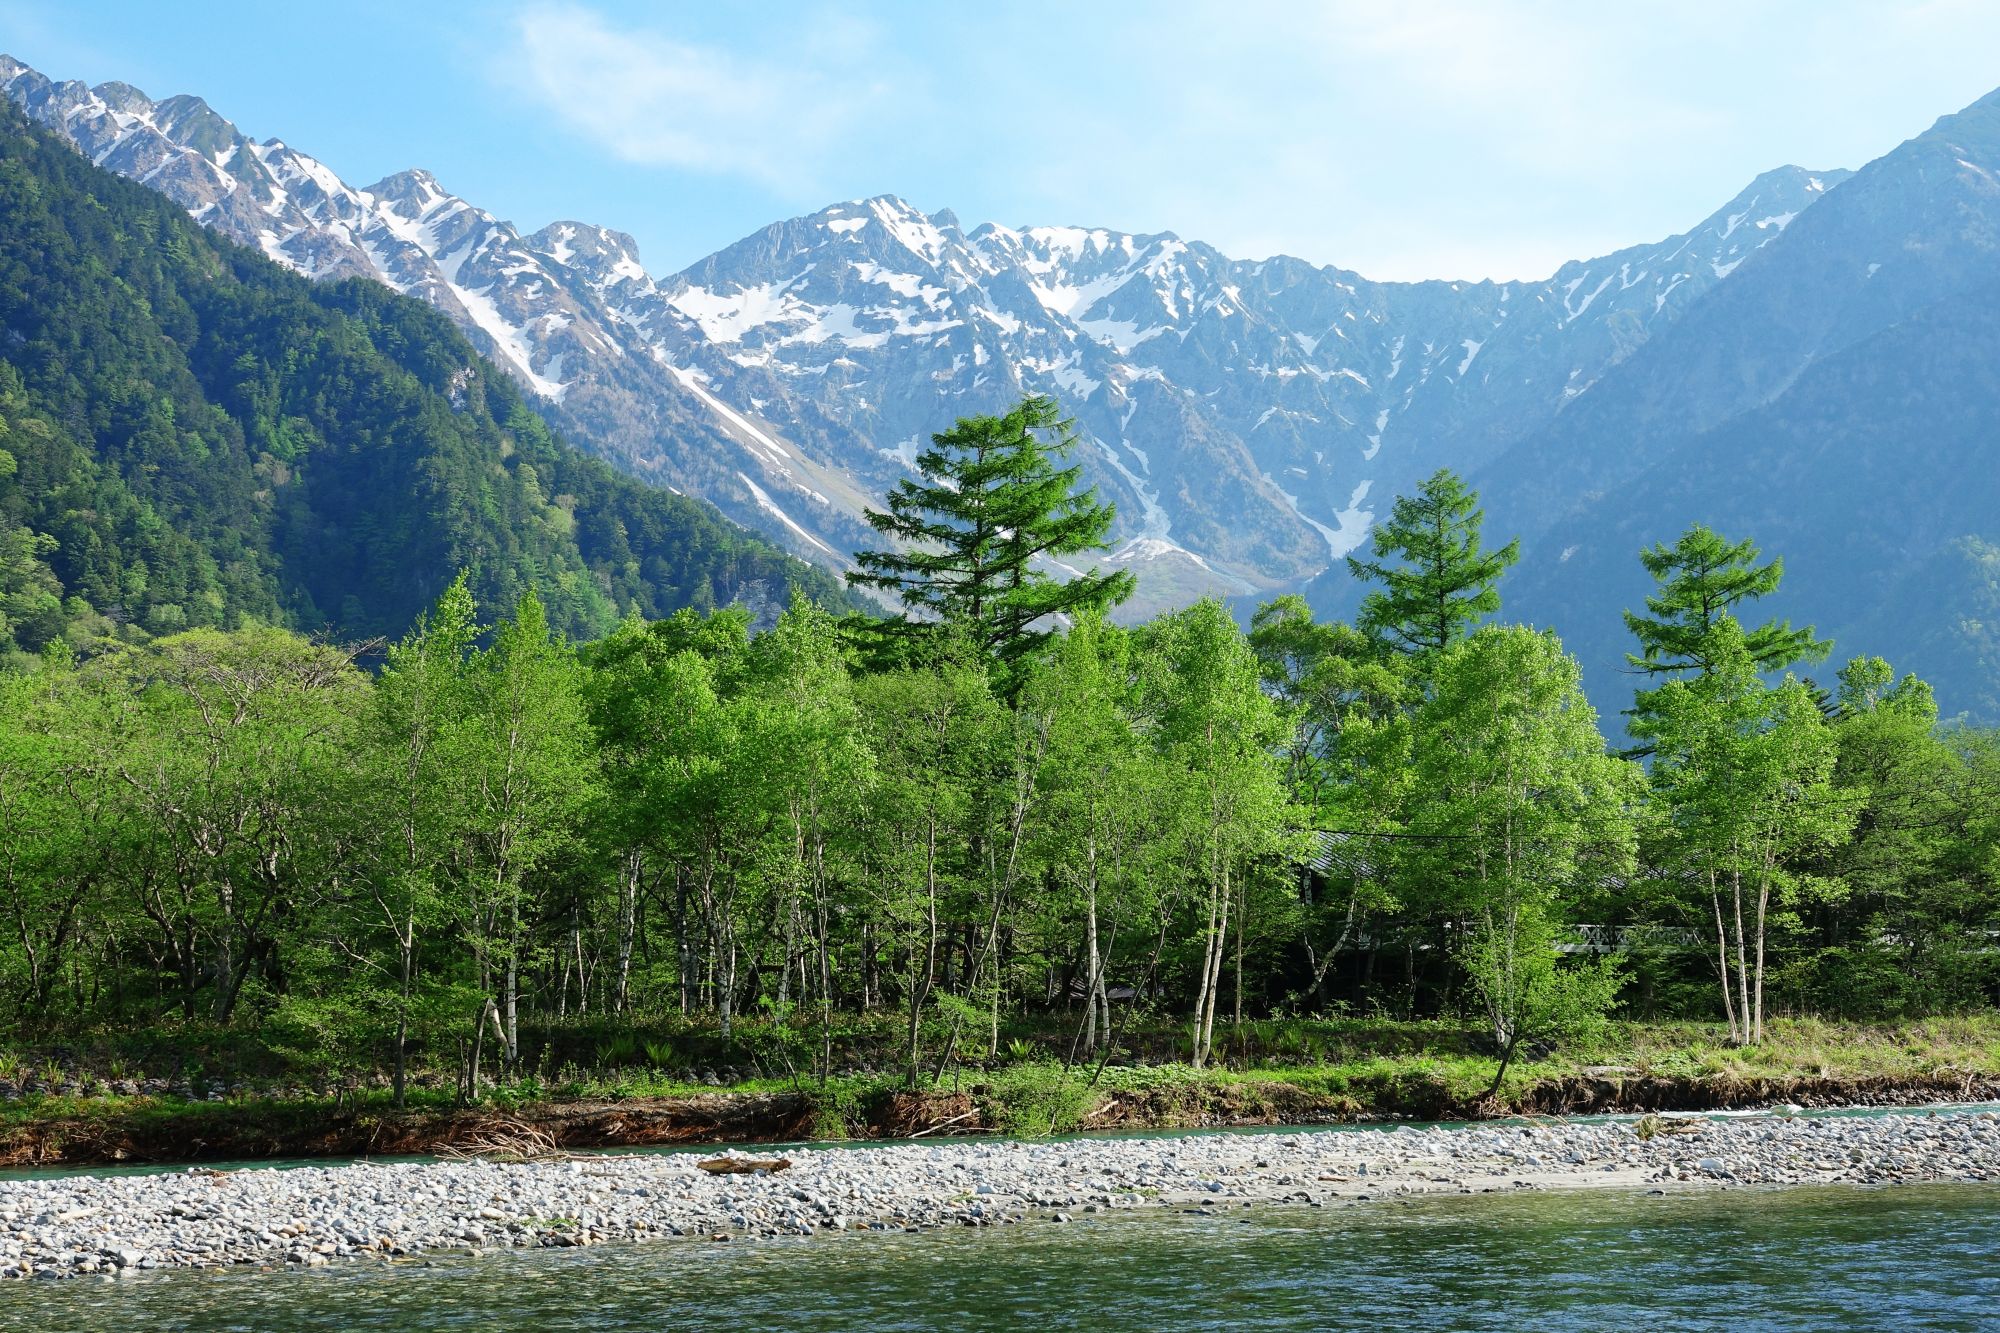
994	506
1438	579
1703	577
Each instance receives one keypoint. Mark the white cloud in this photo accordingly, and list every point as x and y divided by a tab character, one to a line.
1431	138
649	98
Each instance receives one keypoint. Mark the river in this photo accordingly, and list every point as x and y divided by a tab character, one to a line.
1794	1258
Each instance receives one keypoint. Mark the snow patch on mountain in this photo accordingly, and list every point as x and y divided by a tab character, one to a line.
807	362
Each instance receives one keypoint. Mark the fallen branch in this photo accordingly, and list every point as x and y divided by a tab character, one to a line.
942	1123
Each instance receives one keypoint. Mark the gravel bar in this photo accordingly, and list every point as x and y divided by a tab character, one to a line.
311	1216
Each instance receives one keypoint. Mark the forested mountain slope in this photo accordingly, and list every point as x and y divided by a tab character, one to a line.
1837	400
194	435
1248	417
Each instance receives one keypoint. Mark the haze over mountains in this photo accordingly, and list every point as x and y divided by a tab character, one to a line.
1808	365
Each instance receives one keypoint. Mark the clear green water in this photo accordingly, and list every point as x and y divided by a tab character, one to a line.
1817	1258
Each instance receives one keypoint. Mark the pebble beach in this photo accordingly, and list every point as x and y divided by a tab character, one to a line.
306	1217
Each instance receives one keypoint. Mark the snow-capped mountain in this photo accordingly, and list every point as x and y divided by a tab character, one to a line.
552	309
1244	411
1246	416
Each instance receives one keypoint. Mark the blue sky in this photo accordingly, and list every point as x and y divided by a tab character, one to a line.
1464	138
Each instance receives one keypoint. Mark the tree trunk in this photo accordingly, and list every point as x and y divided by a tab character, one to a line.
1763	906
1722	958
1742	960
511	990
1210	946
1093	983
1214	987
1242	911
406	970
628	921
925	975
684	961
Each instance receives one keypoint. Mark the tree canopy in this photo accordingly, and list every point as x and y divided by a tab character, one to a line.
992	510
1443	580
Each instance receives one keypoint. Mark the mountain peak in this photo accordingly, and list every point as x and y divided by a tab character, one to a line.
124	97
598	252
415	186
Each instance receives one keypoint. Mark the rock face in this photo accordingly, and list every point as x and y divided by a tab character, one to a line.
1247	417
1809	366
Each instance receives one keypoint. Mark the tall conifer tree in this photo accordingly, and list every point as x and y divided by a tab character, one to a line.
991	505
1702	577
1445	582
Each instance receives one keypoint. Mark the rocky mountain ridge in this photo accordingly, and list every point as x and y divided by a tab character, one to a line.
1804	366
1246	416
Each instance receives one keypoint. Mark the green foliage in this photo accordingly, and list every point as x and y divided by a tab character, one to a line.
1517	808
1446	582
992	501
195	437
1035	1101
1745	774
1702	578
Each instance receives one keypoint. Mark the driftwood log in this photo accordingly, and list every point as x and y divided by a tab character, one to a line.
742	1166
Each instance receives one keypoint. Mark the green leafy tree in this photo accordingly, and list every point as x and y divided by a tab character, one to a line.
804	737
229	743
1100	791
64	831
1745	771
417	730
1344	698
992	505
933	733
653	691
684	786
531	768
1444	581
1516	810
1905	933
1218	732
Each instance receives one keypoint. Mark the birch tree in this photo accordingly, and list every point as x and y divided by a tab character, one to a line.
1745	771
1218	732
1517	808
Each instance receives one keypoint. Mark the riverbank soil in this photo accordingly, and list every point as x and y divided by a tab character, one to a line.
139	1131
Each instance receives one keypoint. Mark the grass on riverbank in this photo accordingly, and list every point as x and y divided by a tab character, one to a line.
1343	1070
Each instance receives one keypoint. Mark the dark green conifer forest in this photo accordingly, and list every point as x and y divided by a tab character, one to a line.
192	436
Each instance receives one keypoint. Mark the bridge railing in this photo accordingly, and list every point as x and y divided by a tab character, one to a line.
1632	939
